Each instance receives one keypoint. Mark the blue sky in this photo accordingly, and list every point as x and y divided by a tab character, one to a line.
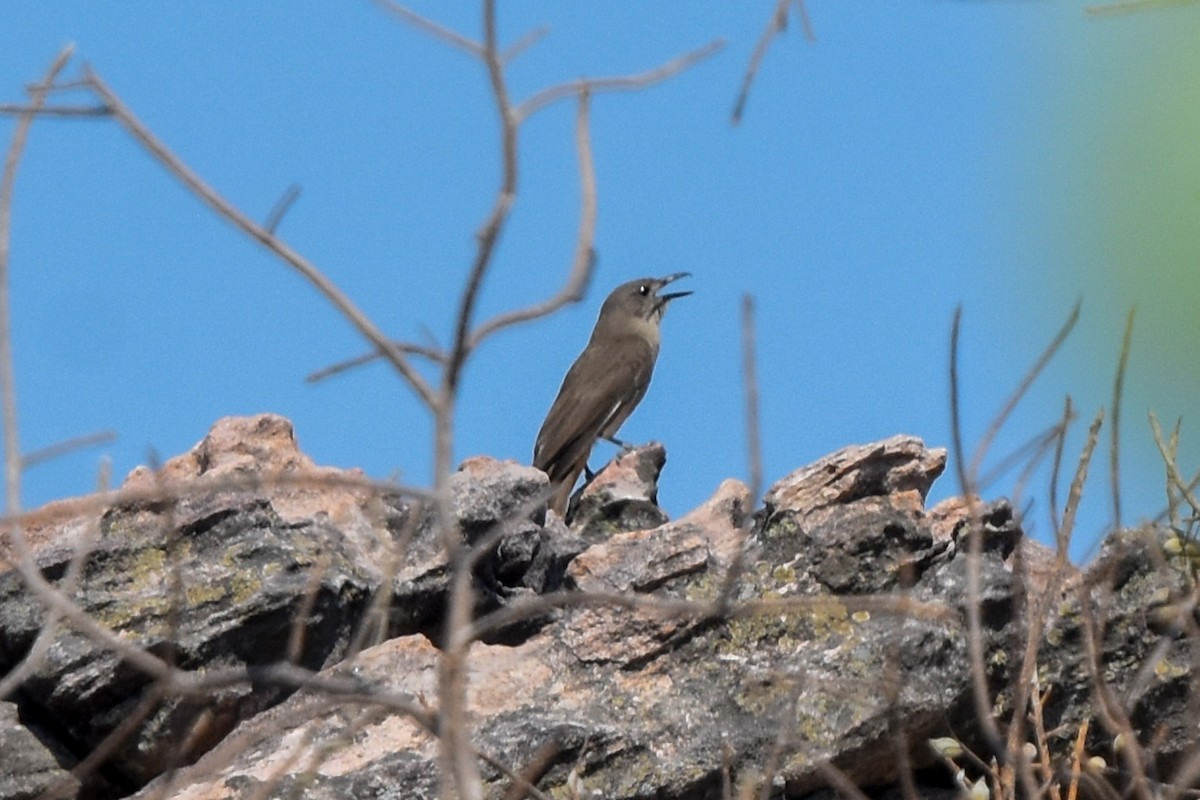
918	156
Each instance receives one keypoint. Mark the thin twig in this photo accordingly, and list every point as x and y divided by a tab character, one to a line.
840	782
8	391
1064	424
985	442
460	775
1029	452
69	446
981	694
282	206
24	561
750	387
1039	612
1118	392
1132	6
624	83
489	233
431	353
810	33
1168	456
14	109
584	262
434	29
229	212
524	43
775	26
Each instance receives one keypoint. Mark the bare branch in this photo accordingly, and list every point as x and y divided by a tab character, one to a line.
62	448
585	253
625	83
775	26
263	236
8	391
489	233
13	109
434	29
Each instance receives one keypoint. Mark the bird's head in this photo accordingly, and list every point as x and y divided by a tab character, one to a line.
640	299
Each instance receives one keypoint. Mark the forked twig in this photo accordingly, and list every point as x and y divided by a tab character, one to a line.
775	26
585	250
183	173
621	83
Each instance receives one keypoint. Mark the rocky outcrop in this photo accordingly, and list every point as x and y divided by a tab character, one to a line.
821	638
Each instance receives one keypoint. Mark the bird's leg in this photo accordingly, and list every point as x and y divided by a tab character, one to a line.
587	473
625	446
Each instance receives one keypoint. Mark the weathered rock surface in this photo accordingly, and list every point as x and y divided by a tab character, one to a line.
238	554
677	659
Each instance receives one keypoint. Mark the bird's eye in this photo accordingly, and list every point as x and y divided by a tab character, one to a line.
643	290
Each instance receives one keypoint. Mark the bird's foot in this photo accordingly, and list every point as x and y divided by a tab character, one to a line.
625	446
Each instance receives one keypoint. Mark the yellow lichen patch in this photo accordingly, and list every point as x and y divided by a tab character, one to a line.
206	592
1166	670
829	616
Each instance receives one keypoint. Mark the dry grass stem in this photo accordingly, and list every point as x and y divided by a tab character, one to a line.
998	422
1118	393
750	391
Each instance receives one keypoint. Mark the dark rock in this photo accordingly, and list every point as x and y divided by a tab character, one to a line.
30	768
623	496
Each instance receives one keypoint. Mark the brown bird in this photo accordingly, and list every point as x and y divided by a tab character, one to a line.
605	383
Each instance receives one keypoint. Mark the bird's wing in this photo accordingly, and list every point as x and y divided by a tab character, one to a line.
600	391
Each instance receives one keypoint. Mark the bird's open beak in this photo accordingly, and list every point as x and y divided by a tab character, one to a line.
663	299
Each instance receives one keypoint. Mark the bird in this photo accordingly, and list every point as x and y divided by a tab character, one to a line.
605	384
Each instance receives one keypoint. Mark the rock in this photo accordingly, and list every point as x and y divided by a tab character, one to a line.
625	657
647	689
30	768
900	467
623	495
202	569
227	557
1148	669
